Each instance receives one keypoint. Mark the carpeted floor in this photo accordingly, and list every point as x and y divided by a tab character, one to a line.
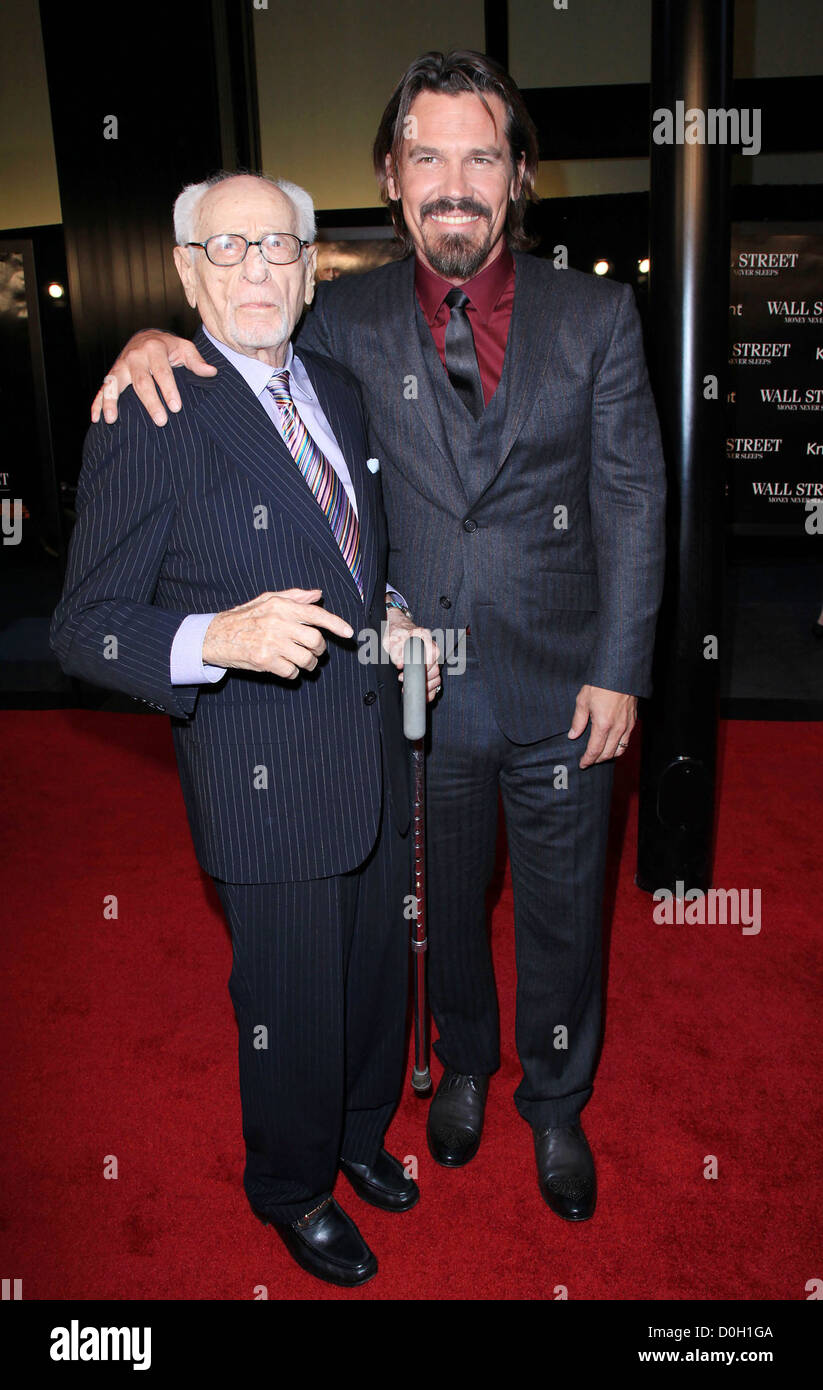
119	1042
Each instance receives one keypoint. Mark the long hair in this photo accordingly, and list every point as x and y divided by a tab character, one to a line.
460	71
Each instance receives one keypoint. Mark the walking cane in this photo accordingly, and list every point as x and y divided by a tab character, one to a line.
414	727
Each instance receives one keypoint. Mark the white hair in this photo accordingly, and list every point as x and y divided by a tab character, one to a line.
187	203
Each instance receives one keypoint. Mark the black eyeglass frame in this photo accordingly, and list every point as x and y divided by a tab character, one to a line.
204	246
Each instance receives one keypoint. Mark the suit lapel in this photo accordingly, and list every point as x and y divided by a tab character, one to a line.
337	404
395	317
234	417
534	324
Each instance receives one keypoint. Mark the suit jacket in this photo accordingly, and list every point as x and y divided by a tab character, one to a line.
542	529
282	779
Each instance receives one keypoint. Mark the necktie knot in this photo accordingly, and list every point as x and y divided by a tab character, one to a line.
278	385
457	298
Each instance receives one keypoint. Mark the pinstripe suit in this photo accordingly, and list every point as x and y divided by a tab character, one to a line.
296	791
540	528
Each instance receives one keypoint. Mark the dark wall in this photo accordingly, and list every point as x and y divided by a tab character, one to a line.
39	455
179	82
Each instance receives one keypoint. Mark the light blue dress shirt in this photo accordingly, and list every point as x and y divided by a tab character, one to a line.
186	661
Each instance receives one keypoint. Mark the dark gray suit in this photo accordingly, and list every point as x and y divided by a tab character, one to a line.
540	528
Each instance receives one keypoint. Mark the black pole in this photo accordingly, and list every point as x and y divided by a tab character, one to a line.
122	157
688	303
496	19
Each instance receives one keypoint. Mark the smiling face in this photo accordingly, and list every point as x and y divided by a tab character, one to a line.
252	307
455	178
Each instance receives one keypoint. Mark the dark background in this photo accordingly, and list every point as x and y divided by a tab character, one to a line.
187	105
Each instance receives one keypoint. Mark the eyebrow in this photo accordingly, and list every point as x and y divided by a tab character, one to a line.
433	149
273	231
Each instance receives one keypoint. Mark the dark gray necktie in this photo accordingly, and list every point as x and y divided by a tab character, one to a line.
461	357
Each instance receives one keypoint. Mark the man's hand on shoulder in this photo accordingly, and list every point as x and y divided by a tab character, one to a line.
612	715
280	633
146	363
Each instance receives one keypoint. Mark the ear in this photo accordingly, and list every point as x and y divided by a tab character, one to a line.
185	270
392	186
310	253
517	179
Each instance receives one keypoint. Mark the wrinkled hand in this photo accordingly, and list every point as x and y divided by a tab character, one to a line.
612	715
146	364
398	630
277	632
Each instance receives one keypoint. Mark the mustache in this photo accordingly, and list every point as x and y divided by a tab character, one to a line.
443	207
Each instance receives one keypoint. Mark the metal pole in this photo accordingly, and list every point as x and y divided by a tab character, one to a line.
421	1078
689	249
414	727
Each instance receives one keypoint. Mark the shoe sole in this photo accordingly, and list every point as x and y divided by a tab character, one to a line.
451	1162
365	1196
561	1217
572	1219
339	1281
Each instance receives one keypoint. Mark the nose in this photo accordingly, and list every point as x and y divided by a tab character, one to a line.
255	267
455	182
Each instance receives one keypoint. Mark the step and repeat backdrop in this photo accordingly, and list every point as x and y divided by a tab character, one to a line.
774	440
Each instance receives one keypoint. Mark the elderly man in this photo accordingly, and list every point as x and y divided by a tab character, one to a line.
218	571
524	488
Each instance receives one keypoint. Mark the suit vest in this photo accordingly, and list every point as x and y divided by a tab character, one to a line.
471	442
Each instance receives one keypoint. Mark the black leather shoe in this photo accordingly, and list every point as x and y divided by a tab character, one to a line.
565	1171
383	1183
456	1115
326	1243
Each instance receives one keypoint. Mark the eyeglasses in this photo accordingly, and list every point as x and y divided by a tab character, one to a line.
278	248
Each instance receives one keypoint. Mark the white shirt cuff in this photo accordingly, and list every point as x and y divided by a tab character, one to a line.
390	589
186	660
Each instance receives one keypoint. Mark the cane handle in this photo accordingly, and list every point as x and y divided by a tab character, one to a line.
414	689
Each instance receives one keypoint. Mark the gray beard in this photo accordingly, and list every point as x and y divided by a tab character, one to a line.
260	339
456	258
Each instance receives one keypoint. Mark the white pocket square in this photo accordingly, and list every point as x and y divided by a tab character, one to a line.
373	465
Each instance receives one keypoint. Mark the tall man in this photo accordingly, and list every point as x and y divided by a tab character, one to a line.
197	568
524	490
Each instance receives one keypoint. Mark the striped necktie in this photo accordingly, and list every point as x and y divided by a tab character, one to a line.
322	479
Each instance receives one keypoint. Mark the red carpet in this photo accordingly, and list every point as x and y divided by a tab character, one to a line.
119	1039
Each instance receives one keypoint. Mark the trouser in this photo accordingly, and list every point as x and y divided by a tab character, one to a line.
557	844
319	983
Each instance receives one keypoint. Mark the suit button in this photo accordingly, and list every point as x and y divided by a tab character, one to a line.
369	697
469	525
445	602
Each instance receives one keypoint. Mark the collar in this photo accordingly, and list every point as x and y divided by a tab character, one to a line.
257	374
484	289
